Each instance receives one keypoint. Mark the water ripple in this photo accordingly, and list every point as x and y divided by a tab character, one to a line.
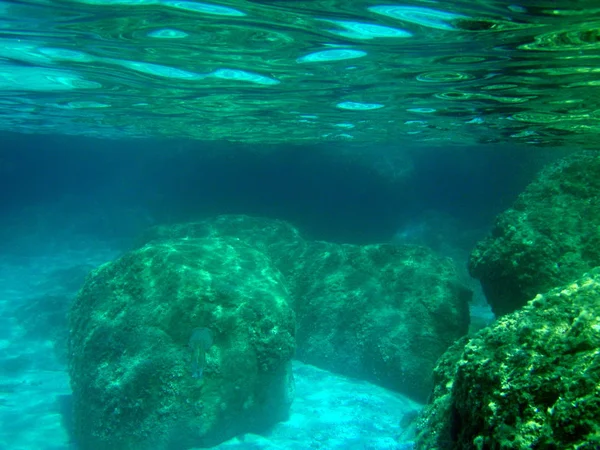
303	71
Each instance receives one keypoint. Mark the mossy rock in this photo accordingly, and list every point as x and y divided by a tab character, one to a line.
383	313
135	382
550	235
529	381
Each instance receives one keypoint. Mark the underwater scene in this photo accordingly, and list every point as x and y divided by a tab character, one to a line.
299	225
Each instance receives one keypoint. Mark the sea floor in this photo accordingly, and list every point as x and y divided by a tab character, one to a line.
36	286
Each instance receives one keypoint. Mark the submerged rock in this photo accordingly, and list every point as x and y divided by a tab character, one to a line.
528	381
550	236
383	313
186	341
136	382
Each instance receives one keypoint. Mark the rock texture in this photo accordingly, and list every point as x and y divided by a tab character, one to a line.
551	235
142	381
186	340
383	313
528	381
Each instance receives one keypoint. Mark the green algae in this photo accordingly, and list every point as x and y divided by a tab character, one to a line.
549	236
528	381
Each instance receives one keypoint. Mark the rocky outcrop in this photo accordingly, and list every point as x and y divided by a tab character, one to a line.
383	313
180	343
528	381
550	235
186	340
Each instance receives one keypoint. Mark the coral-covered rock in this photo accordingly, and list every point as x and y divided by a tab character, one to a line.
528	381
551	235
180	343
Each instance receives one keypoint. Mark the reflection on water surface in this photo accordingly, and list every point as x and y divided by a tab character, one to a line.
301	72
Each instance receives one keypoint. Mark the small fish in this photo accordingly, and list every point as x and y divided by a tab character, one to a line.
200	341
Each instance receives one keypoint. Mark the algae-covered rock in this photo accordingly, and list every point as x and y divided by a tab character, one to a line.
551	235
180	343
528	381
383	313
278	239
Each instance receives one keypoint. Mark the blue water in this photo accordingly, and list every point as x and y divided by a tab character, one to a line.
71	204
357	122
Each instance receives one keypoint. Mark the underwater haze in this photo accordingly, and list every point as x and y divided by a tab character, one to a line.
294	225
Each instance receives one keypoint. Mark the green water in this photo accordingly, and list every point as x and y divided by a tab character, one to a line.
304	72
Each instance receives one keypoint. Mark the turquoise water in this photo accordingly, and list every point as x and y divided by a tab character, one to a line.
402	125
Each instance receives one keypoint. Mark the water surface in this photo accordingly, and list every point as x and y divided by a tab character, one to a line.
303	71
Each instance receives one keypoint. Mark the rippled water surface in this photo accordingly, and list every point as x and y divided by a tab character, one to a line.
304	71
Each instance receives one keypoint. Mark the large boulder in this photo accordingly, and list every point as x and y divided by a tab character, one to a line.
550	235
180	343
383	313
528	381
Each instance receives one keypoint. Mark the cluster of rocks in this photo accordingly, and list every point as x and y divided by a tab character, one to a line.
187	339
531	379
549	237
